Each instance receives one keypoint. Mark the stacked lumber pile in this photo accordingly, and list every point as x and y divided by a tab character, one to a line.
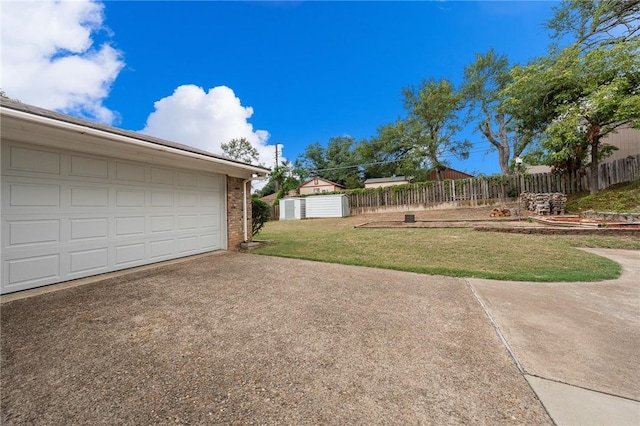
502	212
544	203
558	203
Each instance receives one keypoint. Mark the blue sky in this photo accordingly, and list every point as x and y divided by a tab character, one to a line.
287	72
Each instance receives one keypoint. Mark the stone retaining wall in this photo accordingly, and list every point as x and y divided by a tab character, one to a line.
621	217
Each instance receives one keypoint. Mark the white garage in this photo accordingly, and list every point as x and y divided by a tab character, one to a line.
79	201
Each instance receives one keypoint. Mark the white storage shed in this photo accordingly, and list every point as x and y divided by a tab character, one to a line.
292	208
335	205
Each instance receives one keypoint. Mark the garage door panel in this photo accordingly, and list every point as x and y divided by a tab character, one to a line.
31	271
209	182
36	231
130	172
209	199
93	260
188	179
88	228
34	160
89	167
162	176
210	241
129	253
209	221
188	199
162	223
129	198
161	249
86	196
34	195
162	199
100	214
130	225
187	222
187	244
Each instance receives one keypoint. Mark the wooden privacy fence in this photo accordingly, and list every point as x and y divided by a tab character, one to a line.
477	191
275	211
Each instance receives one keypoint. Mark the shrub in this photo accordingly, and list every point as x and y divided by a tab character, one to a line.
260	214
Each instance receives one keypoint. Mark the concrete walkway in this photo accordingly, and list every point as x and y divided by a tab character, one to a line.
578	344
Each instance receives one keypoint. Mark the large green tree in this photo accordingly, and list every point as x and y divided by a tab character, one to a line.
310	161
596	23
241	150
337	163
576	96
281	180
483	89
392	152
432	123
423	140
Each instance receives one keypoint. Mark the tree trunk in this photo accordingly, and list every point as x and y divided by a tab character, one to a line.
500	140
503	158
593	136
593	182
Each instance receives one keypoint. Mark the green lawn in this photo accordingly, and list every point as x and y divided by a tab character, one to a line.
452	252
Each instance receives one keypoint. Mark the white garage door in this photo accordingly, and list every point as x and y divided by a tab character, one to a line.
68	215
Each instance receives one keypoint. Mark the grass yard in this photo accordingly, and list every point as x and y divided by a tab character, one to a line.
450	251
624	197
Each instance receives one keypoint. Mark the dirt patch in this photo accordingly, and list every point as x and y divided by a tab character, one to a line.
503	223
244	339
586	222
458	214
479	219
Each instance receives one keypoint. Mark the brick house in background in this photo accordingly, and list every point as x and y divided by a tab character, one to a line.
81	198
318	185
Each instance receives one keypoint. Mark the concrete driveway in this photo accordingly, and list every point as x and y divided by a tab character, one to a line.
234	338
244	339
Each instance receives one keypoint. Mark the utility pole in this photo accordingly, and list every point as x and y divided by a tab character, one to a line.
275	169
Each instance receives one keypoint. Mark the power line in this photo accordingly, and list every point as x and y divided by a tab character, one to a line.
448	155
355	165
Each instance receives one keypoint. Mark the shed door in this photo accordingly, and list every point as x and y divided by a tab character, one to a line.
289	209
68	215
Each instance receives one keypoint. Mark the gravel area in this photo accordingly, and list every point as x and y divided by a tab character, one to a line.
237	338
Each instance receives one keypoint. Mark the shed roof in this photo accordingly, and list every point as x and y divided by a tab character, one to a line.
269	198
388	179
322	179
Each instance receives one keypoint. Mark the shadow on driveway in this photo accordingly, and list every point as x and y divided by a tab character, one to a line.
238	338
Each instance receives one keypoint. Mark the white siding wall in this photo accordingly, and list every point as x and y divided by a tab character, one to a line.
327	206
627	140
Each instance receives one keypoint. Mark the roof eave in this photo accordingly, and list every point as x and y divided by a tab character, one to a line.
230	167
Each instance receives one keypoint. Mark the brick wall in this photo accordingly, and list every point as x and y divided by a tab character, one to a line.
235	231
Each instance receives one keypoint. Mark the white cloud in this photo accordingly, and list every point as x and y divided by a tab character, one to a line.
206	120
49	57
